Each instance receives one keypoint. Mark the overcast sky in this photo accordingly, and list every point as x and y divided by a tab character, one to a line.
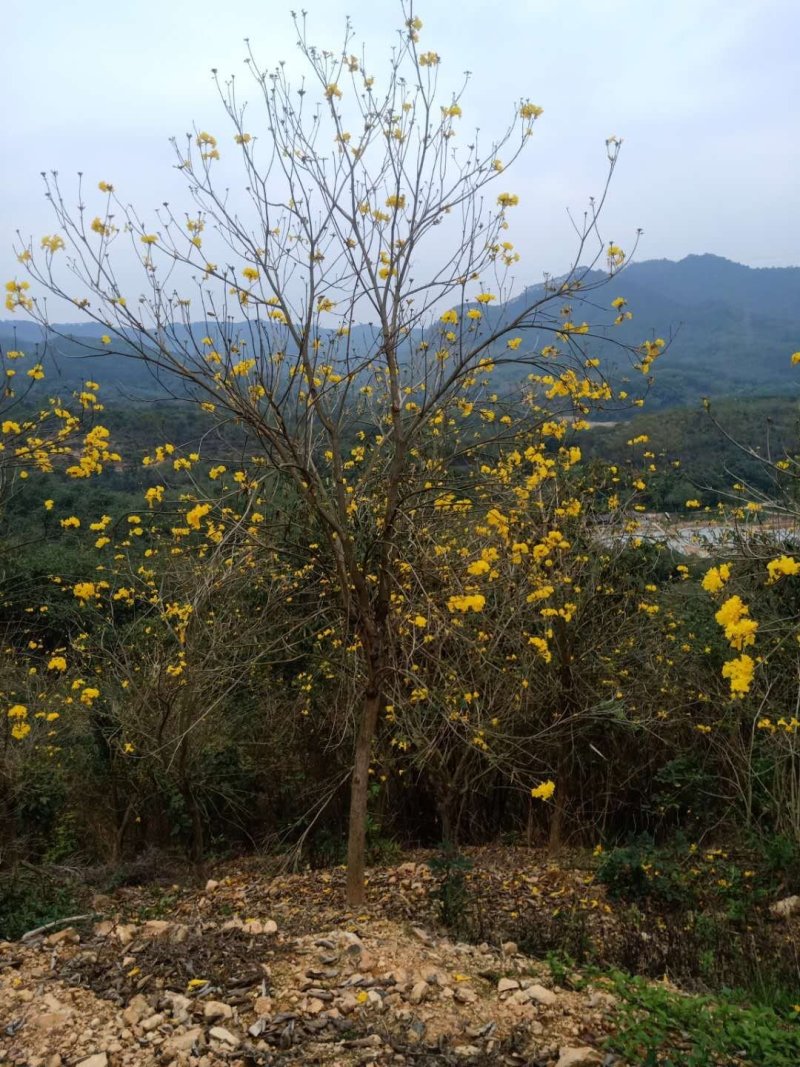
704	92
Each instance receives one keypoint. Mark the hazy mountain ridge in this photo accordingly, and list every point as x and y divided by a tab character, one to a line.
731	330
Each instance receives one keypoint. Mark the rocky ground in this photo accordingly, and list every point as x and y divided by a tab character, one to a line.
240	992
253	967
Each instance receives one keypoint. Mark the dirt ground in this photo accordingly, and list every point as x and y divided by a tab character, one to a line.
256	967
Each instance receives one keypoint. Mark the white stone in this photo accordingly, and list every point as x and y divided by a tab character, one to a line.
126	933
219	1033
137	1010
153	1022
539	995
578	1057
184	1042
418	993
347	1004
786	908
215	1009
156	928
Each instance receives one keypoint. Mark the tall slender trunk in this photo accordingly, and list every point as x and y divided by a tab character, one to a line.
556	825
444	807
560	802
359	796
198	835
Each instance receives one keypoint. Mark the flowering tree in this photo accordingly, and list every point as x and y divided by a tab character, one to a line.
346	309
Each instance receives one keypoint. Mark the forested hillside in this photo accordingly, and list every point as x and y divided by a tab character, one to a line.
728	326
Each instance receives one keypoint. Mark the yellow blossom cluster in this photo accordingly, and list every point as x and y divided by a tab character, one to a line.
781	567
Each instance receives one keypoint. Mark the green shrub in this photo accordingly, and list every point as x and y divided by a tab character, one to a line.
656	1026
30	898
451	895
638	872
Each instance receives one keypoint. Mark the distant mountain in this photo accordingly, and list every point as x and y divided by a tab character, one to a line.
734	327
731	330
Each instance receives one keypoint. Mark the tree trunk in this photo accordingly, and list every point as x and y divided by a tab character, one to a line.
557	818
554	843
359	796
198	836
448	839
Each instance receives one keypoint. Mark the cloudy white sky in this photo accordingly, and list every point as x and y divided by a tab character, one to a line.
704	92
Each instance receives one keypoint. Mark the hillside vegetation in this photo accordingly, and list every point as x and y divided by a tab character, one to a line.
729	327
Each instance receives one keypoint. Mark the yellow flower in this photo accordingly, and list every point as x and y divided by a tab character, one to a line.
480	566
84	590
49	505
615	255
17	295
105	187
540	645
154	495
544	791
420	621
72	523
243	367
473	602
778	568
740	630
53	244
739	673
715	578
196	515
57	663
508	200
530	111
795	358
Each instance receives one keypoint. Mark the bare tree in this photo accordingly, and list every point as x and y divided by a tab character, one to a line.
347	307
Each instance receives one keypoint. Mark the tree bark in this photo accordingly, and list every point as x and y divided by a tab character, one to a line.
556	823
359	796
